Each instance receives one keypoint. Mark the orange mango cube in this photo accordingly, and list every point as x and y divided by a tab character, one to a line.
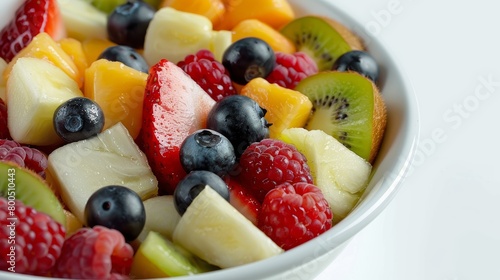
92	48
275	13
256	28
119	90
212	9
44	47
286	108
74	49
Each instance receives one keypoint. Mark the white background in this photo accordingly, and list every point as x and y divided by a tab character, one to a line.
444	224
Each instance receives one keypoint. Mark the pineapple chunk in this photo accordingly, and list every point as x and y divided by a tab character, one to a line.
110	158
215	231
340	173
44	47
35	88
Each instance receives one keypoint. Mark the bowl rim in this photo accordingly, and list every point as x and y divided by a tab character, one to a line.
363	214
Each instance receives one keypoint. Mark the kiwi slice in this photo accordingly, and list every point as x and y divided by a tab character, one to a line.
318	38
24	185
159	257
347	106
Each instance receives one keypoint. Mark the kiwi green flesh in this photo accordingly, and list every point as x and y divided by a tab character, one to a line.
317	38
31	190
170	258
343	105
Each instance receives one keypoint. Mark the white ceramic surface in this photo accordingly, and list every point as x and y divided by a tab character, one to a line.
308	260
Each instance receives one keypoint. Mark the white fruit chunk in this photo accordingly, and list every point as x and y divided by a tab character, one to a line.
110	158
341	174
174	34
35	88
221	40
161	216
82	20
216	232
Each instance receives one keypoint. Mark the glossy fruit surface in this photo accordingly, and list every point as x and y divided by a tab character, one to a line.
77	119
248	58
207	150
127	24
127	56
116	207
32	18
285	107
358	61
292	214
210	74
269	163
189	187
240	119
174	107
32	240
94	253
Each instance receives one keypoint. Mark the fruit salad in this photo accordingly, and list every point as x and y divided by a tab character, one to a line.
161	138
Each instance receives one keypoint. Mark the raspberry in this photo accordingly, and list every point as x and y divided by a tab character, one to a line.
293	214
209	74
290	69
23	156
269	163
4	130
95	253
37	239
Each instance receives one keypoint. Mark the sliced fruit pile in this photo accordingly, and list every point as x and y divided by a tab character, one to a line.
166	138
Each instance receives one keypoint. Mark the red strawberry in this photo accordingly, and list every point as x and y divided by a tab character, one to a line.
241	199
174	107
32	18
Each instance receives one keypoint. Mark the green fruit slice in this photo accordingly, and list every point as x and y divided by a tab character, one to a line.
158	257
22	184
107	6
316	37
345	106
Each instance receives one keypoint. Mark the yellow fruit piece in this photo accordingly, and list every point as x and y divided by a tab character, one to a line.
212	9
275	13
119	90
94	47
44	47
286	108
74	49
256	28
72	223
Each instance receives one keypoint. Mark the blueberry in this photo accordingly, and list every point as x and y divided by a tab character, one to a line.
127	56
207	150
240	119
116	207
189	188
248	58
358	61
77	119
127	24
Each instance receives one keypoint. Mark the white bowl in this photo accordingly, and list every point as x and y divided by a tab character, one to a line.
399	144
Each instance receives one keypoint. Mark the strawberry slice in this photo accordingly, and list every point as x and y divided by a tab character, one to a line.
241	199
174	107
31	18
